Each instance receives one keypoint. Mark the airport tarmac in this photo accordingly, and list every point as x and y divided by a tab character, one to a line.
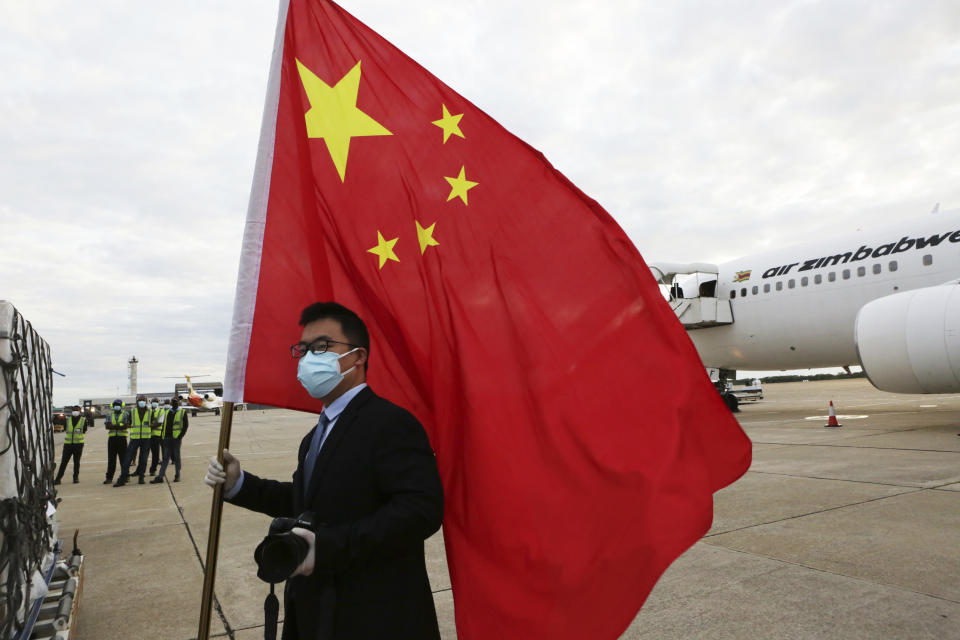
852	532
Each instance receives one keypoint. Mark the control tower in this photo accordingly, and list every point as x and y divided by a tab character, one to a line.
132	370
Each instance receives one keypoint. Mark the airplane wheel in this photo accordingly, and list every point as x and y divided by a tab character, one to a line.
732	402
216	411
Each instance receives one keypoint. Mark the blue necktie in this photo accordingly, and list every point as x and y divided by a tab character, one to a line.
311	458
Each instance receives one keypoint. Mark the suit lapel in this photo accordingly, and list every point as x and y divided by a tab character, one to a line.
338	432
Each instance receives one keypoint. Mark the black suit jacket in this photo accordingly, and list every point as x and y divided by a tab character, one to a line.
376	496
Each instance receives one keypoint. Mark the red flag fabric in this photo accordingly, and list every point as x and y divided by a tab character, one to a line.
577	435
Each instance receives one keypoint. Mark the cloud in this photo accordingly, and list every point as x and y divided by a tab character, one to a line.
708	130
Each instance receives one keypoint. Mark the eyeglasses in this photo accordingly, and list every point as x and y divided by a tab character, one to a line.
316	347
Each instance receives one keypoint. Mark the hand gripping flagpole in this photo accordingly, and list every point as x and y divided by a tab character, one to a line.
213	536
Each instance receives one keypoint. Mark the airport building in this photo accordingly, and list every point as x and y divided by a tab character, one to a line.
101	406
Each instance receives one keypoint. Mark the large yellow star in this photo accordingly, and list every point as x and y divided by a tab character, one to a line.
425	236
459	186
384	249
449	124
334	116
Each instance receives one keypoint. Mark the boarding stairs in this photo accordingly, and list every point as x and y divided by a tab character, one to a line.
694	312
702	312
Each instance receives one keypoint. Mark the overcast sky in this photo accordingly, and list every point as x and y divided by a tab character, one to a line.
128	133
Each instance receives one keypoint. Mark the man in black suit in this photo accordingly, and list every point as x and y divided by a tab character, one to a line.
369	477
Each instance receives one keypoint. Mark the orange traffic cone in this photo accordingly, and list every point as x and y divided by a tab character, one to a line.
832	418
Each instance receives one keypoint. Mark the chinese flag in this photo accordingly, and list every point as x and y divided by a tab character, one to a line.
578	437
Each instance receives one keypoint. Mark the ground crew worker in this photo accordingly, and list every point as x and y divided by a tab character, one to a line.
132	462
116	425
174	427
72	444
141	425
155	435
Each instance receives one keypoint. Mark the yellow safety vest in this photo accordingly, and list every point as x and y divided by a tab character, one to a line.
139	431
74	431
177	422
157	421
116	419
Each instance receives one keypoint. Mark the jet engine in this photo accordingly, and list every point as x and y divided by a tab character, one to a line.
910	342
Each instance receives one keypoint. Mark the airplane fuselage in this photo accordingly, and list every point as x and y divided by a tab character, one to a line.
796	308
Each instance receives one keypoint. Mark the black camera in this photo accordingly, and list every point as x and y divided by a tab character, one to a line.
281	552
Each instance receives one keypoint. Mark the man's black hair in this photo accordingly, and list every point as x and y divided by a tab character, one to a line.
353	327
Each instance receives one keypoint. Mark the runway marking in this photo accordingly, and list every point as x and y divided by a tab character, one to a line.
885	484
196	550
860	417
856	446
927	406
907	491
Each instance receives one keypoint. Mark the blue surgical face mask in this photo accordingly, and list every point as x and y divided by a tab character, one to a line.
141	404
320	373
154	404
116	409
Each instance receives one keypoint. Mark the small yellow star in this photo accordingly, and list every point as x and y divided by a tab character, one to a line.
334	116
384	249
459	186
425	236
449	124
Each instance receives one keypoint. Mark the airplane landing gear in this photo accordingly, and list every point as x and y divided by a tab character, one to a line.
724	386
731	401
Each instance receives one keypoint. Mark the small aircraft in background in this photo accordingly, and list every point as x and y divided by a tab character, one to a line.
206	401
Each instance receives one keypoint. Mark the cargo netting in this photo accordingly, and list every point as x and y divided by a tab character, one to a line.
26	466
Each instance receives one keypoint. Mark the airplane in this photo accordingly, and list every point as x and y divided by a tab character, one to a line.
208	401
885	299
